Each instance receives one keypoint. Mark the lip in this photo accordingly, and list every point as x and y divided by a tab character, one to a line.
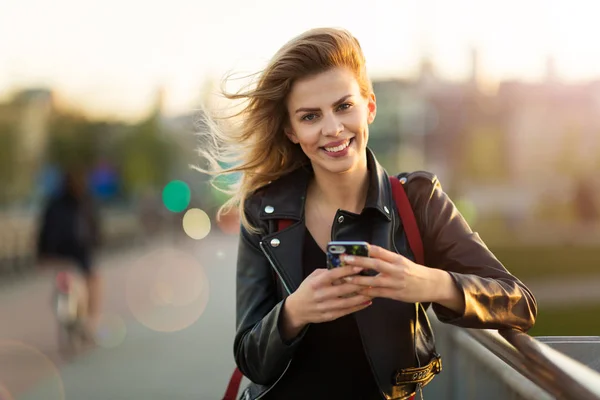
336	144
339	154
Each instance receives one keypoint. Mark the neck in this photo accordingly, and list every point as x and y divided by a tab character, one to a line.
347	191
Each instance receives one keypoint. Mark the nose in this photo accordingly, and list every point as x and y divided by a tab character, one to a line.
332	126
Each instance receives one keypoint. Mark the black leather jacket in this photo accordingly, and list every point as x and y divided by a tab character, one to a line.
395	334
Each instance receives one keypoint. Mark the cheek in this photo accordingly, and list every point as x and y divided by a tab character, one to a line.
308	136
359	117
359	122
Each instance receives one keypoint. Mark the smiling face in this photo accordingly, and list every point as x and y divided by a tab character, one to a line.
329	119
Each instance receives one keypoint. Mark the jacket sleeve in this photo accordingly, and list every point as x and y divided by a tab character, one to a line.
260	352
493	298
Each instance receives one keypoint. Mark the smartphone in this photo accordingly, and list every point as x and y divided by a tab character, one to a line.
337	248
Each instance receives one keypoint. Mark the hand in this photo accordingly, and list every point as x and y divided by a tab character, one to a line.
399	278
319	300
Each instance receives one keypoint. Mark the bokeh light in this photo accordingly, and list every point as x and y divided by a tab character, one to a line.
4	393
162	294
229	223
196	223
176	196
22	367
111	331
167	290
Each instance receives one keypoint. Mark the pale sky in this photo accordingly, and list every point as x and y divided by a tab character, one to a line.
109	56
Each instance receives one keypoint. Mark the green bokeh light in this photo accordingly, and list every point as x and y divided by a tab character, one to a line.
176	196
226	180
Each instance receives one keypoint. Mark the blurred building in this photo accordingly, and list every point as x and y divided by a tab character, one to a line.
422	122
29	113
25	120
508	152
526	146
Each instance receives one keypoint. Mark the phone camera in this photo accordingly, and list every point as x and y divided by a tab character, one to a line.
337	249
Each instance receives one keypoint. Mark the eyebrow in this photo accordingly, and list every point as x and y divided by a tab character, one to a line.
304	109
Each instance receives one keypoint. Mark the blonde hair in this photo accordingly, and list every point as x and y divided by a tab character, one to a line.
256	145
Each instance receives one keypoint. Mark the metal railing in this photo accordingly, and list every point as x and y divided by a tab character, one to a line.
486	364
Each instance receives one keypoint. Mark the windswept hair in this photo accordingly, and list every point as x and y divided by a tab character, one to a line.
252	141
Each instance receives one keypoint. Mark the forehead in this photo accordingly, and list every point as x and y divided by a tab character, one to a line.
323	89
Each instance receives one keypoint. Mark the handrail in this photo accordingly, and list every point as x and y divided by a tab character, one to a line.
558	374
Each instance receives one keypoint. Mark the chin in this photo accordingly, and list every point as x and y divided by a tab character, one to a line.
339	167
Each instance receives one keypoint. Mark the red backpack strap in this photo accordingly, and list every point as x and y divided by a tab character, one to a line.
408	220
236	378
234	385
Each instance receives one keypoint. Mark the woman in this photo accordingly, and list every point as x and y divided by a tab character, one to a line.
305	332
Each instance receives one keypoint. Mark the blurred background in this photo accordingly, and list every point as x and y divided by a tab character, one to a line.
500	99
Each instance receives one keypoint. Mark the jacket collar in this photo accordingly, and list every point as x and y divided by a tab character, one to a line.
284	198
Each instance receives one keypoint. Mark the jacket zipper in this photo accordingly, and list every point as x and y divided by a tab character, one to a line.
283	282
287	289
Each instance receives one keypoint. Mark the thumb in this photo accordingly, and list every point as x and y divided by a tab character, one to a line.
319	271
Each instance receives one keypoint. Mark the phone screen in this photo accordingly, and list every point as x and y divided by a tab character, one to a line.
336	249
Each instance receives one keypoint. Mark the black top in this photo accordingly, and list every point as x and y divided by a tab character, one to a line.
330	362
69	229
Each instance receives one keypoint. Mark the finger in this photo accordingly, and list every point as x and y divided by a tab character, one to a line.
338	273
333	292
370	263
346	303
385	255
340	313
381	280
381	292
318	271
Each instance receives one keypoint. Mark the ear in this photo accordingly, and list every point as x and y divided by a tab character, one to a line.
289	132
372	106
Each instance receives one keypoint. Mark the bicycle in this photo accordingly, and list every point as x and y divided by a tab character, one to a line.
70	301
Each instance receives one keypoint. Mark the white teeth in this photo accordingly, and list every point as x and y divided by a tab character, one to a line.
338	148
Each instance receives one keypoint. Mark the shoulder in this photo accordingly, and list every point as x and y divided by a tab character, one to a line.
257	197
422	182
253	202
284	193
266	195
424	192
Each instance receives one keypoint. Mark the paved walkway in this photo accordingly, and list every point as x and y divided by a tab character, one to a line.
167	332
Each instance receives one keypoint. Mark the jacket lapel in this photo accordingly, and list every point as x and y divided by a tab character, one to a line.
285	252
285	199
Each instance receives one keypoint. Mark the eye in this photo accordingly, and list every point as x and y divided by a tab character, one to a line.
344	106
309	117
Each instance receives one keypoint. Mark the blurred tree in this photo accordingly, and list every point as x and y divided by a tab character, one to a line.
146	156
8	161
72	142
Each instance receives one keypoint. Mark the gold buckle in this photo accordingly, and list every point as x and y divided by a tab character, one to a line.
420	375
